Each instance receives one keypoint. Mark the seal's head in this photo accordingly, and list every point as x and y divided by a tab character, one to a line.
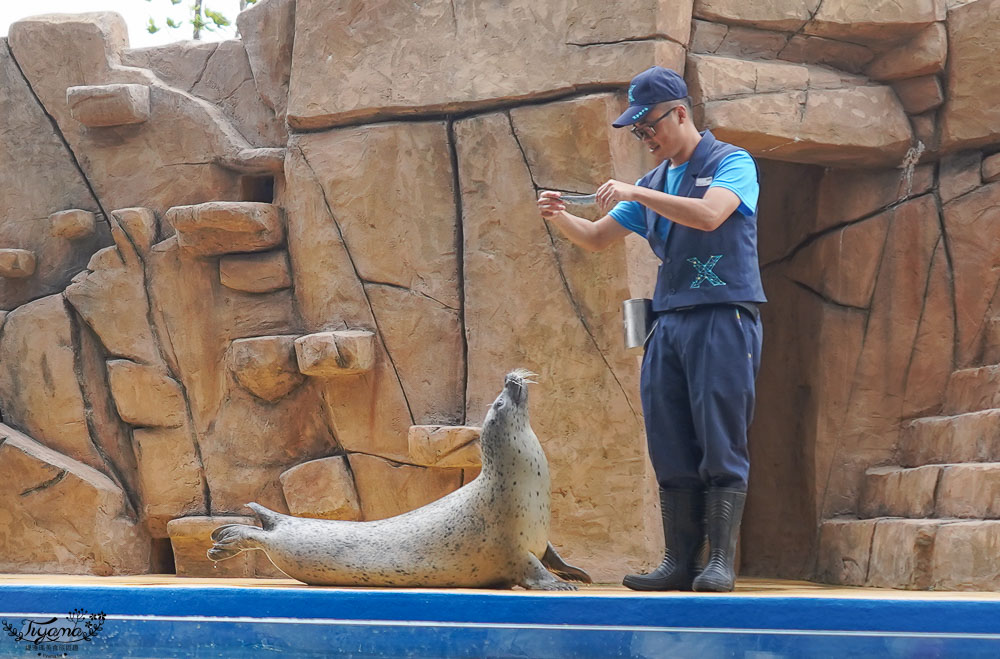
511	406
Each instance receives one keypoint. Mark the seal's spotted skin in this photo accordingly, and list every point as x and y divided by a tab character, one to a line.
492	532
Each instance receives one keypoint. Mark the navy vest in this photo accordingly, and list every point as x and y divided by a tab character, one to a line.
703	267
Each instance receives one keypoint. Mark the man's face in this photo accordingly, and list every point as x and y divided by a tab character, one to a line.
659	133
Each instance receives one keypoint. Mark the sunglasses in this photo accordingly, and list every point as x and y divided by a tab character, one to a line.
647	130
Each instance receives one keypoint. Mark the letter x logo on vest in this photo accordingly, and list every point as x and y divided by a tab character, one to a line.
705	272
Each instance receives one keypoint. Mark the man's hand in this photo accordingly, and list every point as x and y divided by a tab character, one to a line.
612	192
549	204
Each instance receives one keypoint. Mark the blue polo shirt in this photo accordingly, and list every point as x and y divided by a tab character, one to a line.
736	173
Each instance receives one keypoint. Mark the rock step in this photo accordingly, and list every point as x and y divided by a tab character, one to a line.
991	342
260	161
16	263
914	554
227	227
190	539
933	491
973	389
333	354
971	437
98	106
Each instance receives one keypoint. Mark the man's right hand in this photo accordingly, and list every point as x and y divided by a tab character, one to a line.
549	204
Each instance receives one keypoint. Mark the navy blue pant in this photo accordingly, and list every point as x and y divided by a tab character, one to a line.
698	395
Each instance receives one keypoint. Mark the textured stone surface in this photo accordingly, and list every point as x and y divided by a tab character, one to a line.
72	224
386	489
17	263
777	15
481	68
191	539
98	106
924	55
171	477
394	233
842	265
424	338
228	422
256	273
179	64
140	225
56	52
223	227
850	57
972	225
919	95
39	390
875	22
329	295
896	492
145	396
964	556
973	389
958	174
972	114
61	516
970	490
112	299
902	551
991	168
268	32
323	489
604	23
849	125
38	177
456	447
867	432
845	549
332	354
932	360
227	82
961	438
266	365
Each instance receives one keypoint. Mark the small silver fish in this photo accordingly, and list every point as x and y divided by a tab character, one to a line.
579	199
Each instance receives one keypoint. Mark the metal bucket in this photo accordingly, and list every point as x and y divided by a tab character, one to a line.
638	316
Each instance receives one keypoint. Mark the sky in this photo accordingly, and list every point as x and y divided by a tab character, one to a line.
135	12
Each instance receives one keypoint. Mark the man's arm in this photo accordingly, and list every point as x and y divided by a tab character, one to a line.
705	214
592	236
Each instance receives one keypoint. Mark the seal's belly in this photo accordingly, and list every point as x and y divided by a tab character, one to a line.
463	546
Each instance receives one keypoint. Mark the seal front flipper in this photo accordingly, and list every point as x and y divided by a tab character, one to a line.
535	577
555	564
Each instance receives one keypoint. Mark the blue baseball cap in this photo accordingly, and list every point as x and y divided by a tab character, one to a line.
654	85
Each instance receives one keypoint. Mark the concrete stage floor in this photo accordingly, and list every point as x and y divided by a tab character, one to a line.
169	616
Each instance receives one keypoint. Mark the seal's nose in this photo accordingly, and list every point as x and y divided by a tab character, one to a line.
515	388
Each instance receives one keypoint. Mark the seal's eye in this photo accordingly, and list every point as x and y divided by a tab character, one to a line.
499	404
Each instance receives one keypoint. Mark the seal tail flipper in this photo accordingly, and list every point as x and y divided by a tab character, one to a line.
268	518
231	539
555	564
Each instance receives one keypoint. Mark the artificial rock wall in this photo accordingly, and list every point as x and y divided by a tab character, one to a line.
293	269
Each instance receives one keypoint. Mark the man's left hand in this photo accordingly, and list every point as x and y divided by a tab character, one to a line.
612	192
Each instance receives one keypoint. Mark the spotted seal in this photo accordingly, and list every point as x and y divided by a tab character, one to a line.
491	533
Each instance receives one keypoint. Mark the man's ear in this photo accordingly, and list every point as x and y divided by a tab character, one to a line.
683	114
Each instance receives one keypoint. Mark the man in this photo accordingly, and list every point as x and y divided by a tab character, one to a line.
697	209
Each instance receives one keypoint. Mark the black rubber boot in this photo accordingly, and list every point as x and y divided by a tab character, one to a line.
683	514
724	510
